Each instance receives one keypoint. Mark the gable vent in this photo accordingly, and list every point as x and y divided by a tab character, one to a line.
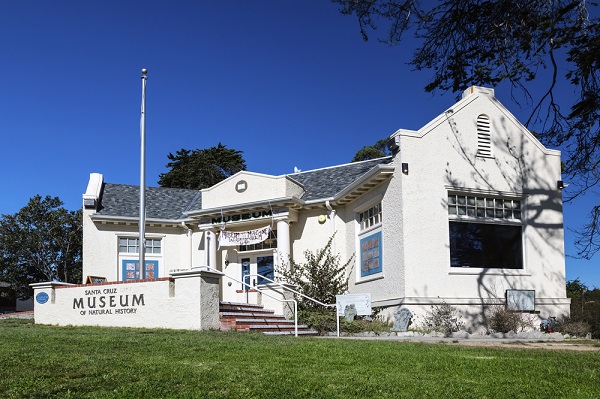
484	136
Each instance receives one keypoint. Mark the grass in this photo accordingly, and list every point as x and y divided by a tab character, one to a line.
84	362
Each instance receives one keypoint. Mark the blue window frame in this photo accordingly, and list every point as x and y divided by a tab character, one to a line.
371	252
131	270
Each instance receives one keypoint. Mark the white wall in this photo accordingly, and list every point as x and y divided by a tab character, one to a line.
101	248
187	300
441	157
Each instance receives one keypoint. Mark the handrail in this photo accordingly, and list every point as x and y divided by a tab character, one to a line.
282	285
208	268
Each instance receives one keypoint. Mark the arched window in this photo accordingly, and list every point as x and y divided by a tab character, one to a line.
484	136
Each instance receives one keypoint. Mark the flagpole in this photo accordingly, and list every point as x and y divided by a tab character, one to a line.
142	236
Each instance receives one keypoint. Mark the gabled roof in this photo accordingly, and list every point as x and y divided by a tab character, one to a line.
122	200
173	204
327	182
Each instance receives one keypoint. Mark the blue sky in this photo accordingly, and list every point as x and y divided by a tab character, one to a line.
290	83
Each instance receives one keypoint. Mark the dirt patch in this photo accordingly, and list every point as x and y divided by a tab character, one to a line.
587	346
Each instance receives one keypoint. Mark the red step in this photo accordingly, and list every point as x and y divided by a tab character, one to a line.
252	317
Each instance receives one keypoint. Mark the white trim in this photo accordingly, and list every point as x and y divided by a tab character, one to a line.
366	205
492	193
488	271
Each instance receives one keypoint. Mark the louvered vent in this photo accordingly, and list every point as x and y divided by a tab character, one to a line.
484	136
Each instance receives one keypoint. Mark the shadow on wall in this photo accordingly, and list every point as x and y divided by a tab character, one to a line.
541	213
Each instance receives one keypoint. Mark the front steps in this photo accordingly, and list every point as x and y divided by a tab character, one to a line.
251	317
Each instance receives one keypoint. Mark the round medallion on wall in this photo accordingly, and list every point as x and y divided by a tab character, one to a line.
42	298
241	186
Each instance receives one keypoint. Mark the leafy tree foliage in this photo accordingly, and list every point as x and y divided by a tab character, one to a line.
377	150
471	42
585	305
198	169
321	277
41	242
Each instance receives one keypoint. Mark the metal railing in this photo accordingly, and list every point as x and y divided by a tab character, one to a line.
286	287
208	268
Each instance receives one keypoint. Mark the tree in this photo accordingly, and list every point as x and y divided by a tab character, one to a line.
471	42
321	277
41	242
585	305
198	169
377	150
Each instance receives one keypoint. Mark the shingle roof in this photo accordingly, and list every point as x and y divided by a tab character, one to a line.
161	203
327	182
122	200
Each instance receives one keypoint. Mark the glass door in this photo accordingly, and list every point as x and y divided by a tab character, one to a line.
263	265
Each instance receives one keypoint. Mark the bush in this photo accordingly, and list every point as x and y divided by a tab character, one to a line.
443	318
503	320
574	328
324	322
321	277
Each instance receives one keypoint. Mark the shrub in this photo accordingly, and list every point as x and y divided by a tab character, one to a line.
443	318
574	328
322	320
320	277
503	320
375	324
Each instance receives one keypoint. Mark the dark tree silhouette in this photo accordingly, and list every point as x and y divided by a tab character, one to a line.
470	42
198	169
41	242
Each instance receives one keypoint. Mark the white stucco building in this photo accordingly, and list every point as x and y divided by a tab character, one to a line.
467	208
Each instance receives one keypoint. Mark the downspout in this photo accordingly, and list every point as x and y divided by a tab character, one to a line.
188	232
332	217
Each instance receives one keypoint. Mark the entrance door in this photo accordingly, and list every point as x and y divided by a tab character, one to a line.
263	265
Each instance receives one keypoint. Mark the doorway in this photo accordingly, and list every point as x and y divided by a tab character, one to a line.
263	265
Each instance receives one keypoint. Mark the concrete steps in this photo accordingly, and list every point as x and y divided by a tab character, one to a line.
251	317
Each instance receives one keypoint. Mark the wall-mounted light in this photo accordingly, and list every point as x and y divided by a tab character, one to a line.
560	185
405	168
89	203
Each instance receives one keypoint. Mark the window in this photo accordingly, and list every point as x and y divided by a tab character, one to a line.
370	241
484	207
370	217
485	232
484	136
269	243
263	266
131	245
131	270
370	255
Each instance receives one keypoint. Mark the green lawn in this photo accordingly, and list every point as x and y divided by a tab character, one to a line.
80	362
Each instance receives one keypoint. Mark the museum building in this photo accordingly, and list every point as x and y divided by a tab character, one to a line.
466	211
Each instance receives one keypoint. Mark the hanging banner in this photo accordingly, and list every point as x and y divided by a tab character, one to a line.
234	238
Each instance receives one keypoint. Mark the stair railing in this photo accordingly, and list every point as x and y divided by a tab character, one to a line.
286	287
208	268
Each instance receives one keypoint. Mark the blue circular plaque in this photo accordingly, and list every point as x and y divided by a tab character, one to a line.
42	298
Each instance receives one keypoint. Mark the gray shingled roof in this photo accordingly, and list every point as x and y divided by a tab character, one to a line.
170	203
161	203
326	183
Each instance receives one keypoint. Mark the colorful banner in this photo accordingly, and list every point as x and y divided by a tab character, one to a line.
235	238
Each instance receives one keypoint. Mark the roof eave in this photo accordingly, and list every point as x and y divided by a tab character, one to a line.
365	183
291	202
132	221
